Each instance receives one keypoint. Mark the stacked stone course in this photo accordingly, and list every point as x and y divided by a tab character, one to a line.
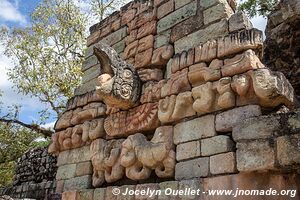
174	95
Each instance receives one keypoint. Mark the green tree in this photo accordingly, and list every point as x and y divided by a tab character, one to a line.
102	8
257	7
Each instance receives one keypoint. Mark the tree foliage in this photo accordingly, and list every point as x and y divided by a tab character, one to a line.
257	7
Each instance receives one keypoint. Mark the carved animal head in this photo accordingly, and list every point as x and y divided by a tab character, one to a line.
119	83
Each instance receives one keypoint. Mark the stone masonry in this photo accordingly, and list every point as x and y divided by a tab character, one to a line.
174	95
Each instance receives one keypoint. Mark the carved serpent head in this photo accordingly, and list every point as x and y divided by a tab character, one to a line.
119	83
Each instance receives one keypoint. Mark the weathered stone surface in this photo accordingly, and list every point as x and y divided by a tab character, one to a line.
105	157
86	87
255	155
206	52
212	31
99	193
88	112
217	12
150	74
177	16
165	9
145	43
183	60
77	183
254	182
70	195
130	50
188	150
240	41
140	156
200	74
115	37
86	194
143	59
239	21
162	55
93	129
199	128
89	62
177	83
227	120
288	150
66	172
223	163
138	119
64	121
167	185
216	145
128	16
208	3
192	169
84	168
162	39
146	187
147	29
91	73
74	156
241	63
173	108
180	3
193	184
125	188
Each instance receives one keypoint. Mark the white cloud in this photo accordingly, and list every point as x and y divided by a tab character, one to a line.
9	12
49	125
260	23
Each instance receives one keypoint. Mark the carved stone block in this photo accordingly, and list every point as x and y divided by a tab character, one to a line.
206	52
140	156
93	129
139	119
105	156
183	60
241	63
200	73
238	42
150	74
128	16
145	43
143	59
147	29
88	112
130	50
162	55
64	121
177	83
151	93
174	108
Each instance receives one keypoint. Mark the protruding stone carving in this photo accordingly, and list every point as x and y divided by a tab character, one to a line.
173	108
183	60
140	156
88	112
139	119
151	93
241	63
150	74
93	129
64	121
204	96
177	83
105	156
238	42
200	73
119	83
227	97
162	55
206	52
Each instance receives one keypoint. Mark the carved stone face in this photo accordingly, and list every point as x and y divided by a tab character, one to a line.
119	83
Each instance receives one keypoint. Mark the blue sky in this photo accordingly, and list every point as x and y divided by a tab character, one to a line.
15	13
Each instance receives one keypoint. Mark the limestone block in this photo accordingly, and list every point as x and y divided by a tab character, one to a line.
89	62
200	74
139	119
64	121
143	17
93	129
145	187
255	155
88	112
196	129
128	16
162	39
180	3
173	108
78	183
143	59
74	156
99	193
177	16
288	150
140	156
188	150
192	169
91	73
165	9
84	168
240	41
225	121
70	195
162	55
115	37
206	52
105	157
217	12
216	145
66	172
223	163
177	83
241	63
131	37
151	93
147	29
239	21
150	74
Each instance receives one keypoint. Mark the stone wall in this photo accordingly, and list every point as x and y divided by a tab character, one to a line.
34	176
174	95
282	43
